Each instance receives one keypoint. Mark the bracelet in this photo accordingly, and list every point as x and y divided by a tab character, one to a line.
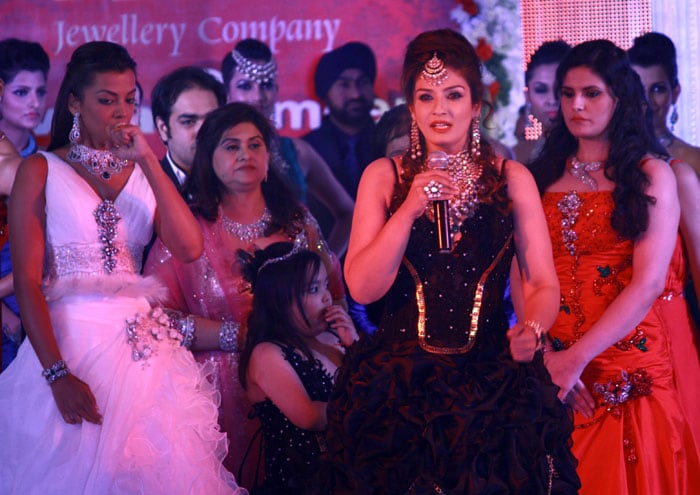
228	336
540	334
184	325
56	371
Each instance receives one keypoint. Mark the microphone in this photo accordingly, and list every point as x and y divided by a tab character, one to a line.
437	160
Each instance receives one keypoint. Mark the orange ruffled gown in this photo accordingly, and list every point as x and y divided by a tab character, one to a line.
639	440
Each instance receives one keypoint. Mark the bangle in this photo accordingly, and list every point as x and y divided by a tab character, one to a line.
184	324
56	371
228	336
540	334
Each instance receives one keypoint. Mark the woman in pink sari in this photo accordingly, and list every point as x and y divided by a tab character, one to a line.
241	203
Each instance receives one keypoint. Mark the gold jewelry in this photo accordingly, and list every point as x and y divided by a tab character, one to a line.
434	71
540	334
414	138
476	139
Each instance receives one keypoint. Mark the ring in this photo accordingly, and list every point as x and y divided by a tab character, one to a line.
433	190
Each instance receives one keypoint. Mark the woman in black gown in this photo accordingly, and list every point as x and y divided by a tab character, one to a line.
444	398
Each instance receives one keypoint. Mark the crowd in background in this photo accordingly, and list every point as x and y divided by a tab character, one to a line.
377	307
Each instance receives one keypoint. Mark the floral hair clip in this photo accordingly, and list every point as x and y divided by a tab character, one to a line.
434	71
260	73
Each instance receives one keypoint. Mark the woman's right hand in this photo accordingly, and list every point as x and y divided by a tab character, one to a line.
75	400
417	199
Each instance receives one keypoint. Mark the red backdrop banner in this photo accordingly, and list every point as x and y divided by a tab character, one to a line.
162	36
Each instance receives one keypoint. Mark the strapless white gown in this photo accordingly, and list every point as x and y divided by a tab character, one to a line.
159	433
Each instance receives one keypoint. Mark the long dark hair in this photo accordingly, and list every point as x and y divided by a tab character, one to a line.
87	61
203	189
457	54
278	288
630	133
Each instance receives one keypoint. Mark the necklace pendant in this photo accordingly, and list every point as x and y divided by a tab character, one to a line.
106	175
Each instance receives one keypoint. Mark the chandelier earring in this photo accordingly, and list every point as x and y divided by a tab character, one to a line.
674	116
533	127
74	135
476	139
416	151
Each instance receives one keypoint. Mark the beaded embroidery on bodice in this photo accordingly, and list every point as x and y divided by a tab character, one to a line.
450	280
76	245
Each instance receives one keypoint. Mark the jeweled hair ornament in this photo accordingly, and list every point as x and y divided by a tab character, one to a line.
434	71
300	244
260	73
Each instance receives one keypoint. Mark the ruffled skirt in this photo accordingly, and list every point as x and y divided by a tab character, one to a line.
159	432
403	421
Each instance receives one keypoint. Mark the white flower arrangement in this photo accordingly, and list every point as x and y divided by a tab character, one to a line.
493	26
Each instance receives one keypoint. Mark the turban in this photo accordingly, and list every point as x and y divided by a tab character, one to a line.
353	55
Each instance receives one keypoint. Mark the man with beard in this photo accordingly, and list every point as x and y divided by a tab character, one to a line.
180	101
343	81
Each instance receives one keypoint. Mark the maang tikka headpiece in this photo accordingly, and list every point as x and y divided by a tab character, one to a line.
434	71
260	73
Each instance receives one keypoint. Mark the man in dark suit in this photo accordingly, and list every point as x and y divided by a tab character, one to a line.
180	101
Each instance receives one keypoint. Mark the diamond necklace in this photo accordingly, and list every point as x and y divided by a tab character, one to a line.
247	232
100	163
465	175
580	170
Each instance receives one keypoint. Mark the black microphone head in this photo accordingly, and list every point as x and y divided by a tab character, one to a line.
437	160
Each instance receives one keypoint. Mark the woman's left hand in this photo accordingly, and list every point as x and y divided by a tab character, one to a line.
129	143
523	343
564	370
339	320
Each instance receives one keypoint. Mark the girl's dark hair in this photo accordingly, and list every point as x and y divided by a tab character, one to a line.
655	49
278	289
18	55
203	189
457	54
549	52
630	133
251	49
393	124
87	61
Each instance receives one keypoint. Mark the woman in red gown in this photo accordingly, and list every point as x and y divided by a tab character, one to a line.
613	213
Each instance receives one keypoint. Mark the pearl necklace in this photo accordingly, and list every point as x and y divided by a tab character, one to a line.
247	232
580	170
100	163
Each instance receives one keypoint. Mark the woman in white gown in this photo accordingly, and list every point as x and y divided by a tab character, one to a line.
121	407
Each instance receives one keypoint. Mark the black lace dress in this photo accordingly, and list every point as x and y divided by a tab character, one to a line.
408	418
291	453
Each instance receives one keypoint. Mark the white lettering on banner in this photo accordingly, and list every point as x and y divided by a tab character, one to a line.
127	32
214	30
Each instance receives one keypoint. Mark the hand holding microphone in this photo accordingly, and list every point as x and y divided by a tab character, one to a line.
437	160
